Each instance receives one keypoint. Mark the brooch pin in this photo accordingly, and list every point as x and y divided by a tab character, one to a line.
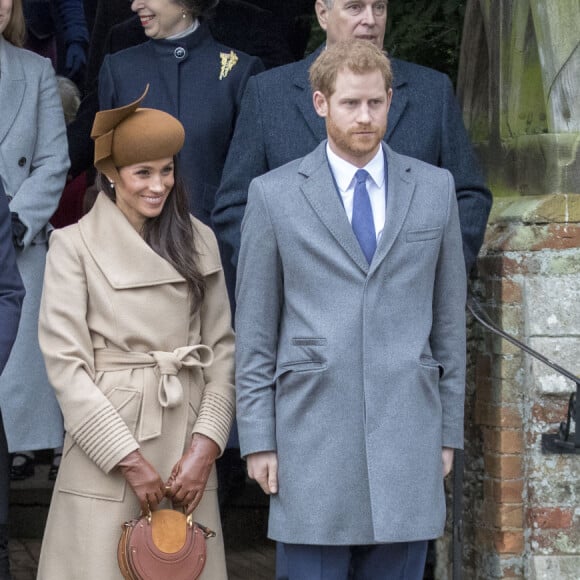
228	61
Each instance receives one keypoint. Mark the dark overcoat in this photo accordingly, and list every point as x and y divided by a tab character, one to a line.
196	80
278	123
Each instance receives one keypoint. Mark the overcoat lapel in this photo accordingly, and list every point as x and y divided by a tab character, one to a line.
400	189
122	255
400	99
321	194
12	87
304	97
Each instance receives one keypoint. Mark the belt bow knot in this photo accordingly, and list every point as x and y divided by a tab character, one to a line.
170	390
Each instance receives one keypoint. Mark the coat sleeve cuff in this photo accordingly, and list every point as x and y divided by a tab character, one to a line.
256	436
453	437
215	418
105	438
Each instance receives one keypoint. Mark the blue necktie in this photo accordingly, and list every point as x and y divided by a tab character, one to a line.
363	224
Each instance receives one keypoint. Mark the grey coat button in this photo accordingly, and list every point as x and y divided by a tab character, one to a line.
179	53
22	161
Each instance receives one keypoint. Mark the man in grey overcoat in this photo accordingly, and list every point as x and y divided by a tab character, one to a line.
350	349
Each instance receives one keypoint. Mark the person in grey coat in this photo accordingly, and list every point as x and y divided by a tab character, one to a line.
350	348
33	167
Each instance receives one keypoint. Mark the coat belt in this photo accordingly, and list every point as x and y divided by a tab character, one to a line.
169	391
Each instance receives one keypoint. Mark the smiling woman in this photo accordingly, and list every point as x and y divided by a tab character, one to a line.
143	189
142	357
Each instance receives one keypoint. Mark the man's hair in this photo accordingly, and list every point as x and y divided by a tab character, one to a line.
358	56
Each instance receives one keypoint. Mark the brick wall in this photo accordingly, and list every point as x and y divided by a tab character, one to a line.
523	506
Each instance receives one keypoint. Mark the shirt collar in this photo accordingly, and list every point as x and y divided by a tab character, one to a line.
344	171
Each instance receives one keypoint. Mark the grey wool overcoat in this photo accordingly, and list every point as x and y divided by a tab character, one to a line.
353	374
133	368
33	166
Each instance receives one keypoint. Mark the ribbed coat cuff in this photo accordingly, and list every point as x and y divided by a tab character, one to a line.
215	418
105	438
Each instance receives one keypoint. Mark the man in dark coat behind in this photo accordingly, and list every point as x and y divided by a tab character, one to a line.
11	296
278	124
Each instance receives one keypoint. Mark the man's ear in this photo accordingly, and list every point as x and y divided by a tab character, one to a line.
389	98
320	104
321	13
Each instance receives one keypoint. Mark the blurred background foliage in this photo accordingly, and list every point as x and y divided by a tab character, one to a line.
426	32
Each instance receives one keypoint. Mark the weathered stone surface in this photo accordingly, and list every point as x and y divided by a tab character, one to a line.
562	350
552	305
554	567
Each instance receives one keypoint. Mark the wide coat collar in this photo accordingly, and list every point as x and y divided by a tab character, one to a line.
320	191
120	252
12	85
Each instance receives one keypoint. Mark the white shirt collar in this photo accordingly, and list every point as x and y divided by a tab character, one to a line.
344	171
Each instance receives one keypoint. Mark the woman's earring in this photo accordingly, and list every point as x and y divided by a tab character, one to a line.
112	184
183	14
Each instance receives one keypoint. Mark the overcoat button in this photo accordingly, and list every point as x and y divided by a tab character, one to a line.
22	161
179	53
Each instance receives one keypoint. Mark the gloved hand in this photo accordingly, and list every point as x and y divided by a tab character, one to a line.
188	478
75	62
143	479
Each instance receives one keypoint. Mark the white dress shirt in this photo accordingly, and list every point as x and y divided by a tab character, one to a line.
344	171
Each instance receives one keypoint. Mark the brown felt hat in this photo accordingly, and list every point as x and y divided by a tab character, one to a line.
130	135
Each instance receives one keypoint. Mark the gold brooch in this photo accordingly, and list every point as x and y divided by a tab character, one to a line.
228	61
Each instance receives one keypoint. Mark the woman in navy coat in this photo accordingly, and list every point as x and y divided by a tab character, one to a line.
193	78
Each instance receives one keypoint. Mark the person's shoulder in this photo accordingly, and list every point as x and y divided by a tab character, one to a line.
129	54
243	57
285	176
282	75
206	247
405	71
30	60
64	239
416	166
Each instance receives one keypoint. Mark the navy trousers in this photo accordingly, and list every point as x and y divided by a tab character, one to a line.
399	561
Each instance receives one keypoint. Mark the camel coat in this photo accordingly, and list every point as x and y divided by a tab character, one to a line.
132	370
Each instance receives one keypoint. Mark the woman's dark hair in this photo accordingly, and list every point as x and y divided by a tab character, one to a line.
170	234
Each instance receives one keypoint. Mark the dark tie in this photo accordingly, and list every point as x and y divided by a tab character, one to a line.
363	224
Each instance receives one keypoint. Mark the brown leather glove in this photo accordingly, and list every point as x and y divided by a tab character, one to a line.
143	479
188	478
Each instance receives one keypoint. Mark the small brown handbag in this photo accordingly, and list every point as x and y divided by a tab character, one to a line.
161	545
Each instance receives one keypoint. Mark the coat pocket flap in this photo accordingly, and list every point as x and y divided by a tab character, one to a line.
423	235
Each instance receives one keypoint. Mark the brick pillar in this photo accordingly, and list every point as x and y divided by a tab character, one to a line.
525	521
